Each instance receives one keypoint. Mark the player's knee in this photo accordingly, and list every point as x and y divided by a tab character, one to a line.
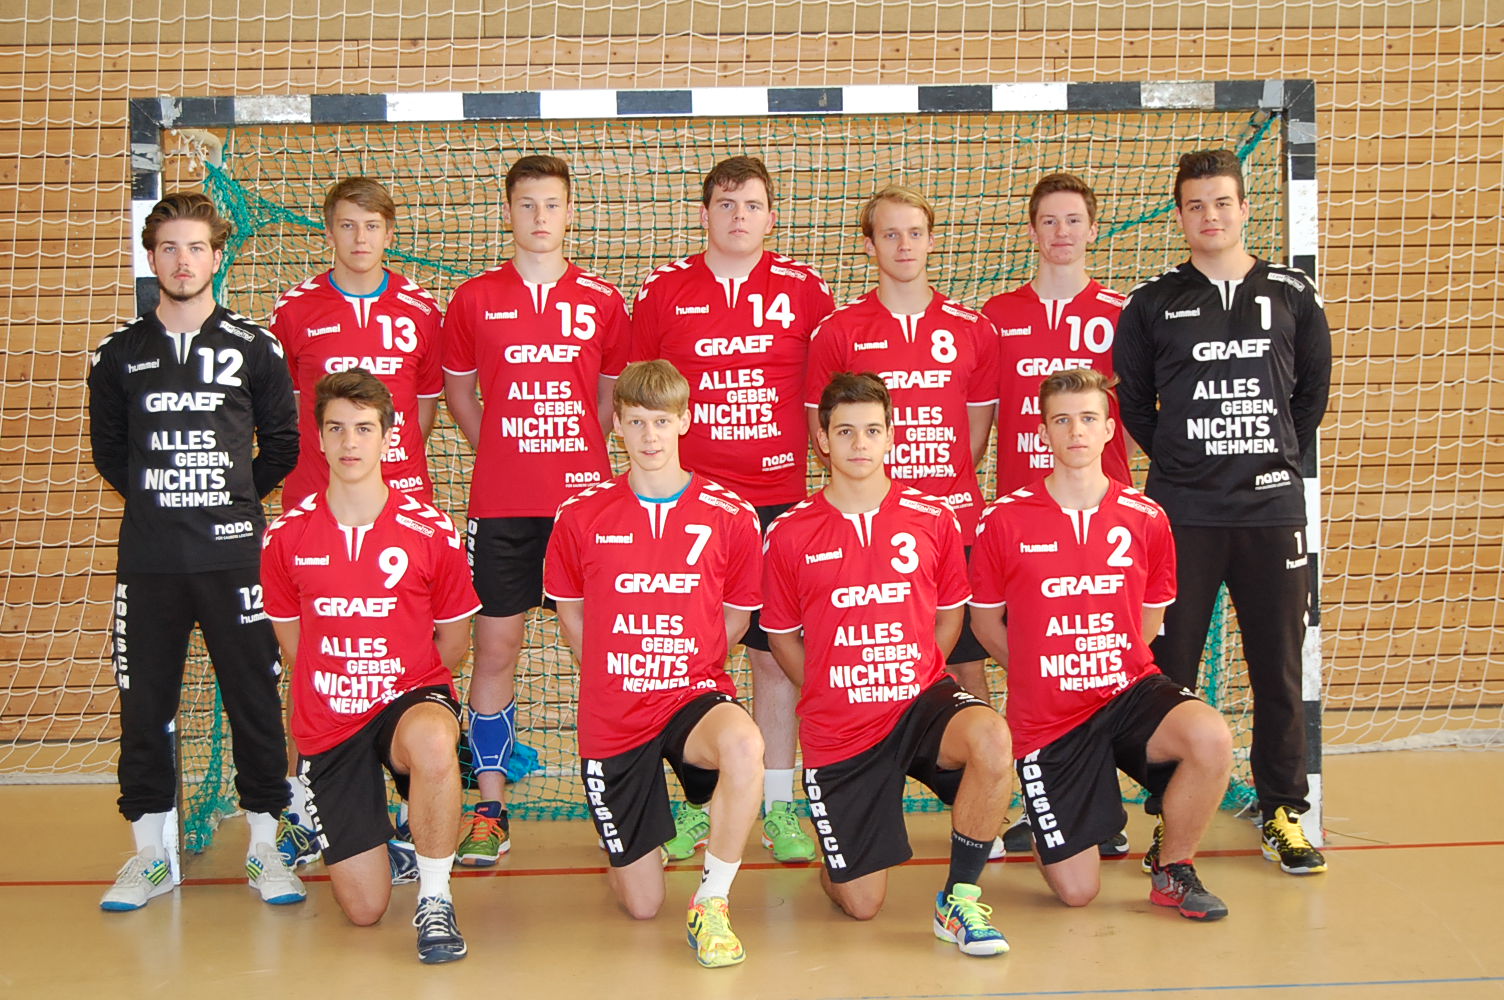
363	910
1211	741
1077	894
741	751
991	750
860	907
641	905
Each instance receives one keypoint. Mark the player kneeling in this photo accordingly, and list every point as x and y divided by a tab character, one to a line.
874	574
370	594
667	564
1085	567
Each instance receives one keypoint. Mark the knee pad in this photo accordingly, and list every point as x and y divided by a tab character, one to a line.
491	738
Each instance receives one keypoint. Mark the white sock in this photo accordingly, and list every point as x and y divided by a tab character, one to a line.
433	876
716	878
299	804
151	831
263	829
777	786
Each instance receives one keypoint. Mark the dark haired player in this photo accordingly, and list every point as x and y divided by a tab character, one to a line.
864	584
1226	362
541	340
655	574
1085	566
192	421
370	595
736	321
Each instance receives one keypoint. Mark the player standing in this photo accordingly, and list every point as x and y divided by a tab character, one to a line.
736	321
1225	363
667	565
874	575
192	421
1085	566
939	361
1060	319
370	596
542	340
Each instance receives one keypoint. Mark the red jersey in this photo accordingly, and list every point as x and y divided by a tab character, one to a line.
367	599
864	588
656	578
394	335
539	352
742	344
1076	583
935	364
1038	338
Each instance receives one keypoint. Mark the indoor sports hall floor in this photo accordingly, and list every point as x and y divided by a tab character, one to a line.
1412	906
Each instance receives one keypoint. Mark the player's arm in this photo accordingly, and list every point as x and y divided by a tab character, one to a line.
108	416
276	415
1313	372
948	627
464	404
1153	619
737	620
453	641
572	625
428	414
788	649
980	419
1133	361
605	391
991	630
287	639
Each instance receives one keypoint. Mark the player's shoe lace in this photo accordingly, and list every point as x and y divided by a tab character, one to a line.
144	877
439	937
295	841
691	831
270	875
963	919
1285	841
486	839
1178	885
782	834
709	925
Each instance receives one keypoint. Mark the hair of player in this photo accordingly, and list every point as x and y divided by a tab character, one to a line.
850	387
1073	380
364	193
897	194
1209	163
537	167
1056	183
358	386
651	385
191	205
734	172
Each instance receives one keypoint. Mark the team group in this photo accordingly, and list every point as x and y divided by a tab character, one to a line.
868	608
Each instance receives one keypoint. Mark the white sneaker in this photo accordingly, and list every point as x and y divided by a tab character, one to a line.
141	879
272	878
997	852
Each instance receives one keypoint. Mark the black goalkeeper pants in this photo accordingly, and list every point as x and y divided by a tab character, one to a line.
154	615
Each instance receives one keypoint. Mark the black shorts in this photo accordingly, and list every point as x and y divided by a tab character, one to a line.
506	562
756	638
346	787
627	794
856	804
1070	787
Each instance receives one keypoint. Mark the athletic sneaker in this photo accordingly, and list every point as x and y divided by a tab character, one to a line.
782	834
1151	856
1019	838
1115	846
691	832
963	919
1285	841
1177	885
486	840
998	851
438	935
271	876
140	880
710	933
402	860
295	841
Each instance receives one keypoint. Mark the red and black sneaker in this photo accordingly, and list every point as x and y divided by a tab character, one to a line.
1177	885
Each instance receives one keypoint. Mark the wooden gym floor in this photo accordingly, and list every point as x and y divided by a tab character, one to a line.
1412	906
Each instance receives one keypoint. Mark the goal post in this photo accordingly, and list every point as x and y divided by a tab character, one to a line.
638	157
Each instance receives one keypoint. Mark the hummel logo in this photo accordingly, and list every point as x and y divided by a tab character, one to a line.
503	314
691	310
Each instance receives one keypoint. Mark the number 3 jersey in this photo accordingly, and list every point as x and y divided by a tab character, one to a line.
538	352
655	578
394	335
1075	583
865	589
366	599
193	429
936	365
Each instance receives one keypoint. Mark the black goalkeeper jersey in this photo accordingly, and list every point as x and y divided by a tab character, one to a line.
193	429
1223	385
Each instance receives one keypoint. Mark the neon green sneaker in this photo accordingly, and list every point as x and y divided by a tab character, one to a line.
710	933
486	839
782	834
691	832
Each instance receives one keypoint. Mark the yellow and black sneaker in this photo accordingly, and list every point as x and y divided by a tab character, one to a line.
1285	841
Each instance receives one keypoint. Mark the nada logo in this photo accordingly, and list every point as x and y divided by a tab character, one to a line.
1264	480
1075	586
581	478
780	461
235	529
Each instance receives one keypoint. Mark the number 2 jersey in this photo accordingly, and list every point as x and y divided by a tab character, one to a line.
742	343
366	599
538	351
936	365
193	429
1036	338
1075	583
655	578
394	335
865	589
